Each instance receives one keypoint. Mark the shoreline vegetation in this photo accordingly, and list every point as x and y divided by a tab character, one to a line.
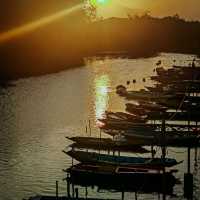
62	45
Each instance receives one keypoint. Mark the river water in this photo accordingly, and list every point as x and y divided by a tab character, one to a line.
39	112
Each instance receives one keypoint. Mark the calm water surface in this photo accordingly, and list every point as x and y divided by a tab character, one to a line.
38	113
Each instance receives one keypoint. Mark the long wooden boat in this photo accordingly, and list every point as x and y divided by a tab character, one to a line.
183	86
96	158
144	107
115	125
192	103
172	138
146	95
177	73
125	179
175	116
136	109
121	116
105	144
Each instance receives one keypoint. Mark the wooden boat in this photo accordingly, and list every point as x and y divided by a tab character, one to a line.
96	158
172	138
124	125
121	116
146	95
144	107
117	178
177	73
175	116
105	144
136	109
186	103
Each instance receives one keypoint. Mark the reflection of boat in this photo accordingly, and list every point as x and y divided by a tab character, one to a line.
105	144
121	178
96	158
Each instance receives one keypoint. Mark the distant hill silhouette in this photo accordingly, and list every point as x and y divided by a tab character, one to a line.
64	44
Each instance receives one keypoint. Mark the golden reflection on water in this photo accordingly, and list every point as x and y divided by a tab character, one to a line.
102	84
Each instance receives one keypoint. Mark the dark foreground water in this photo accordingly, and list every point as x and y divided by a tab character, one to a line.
37	114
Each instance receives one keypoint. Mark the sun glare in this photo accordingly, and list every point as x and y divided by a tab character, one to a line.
99	2
24	29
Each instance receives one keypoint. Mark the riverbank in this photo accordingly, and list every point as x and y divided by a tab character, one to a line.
65	45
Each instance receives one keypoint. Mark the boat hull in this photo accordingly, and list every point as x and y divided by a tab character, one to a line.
126	180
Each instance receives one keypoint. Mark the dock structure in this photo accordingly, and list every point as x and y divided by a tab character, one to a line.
176	96
166	115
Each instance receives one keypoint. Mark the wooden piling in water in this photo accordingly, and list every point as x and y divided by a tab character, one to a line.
86	192
56	190
188	186
163	157
73	191
76	192
195	156
122	195
90	127
68	187
188	177
135	195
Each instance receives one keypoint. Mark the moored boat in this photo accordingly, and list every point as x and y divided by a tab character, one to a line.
105	144
121	178
96	158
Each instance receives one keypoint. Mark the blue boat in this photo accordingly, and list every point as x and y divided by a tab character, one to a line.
96	158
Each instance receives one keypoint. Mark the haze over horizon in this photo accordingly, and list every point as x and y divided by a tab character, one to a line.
158	8
14	13
39	37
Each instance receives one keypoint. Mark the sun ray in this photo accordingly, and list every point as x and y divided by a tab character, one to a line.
32	26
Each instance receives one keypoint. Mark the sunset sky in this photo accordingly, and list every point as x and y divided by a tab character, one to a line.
18	18
38	33
187	9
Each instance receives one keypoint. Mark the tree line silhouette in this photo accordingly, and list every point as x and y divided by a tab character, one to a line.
64	44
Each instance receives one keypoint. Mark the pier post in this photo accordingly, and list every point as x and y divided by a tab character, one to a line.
68	187
90	127
188	177
188	180
122	195
100	134
152	151
73	191
76	192
135	195
188	160
72	162
163	157
86	192
86	131
56	190
195	156
188	186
